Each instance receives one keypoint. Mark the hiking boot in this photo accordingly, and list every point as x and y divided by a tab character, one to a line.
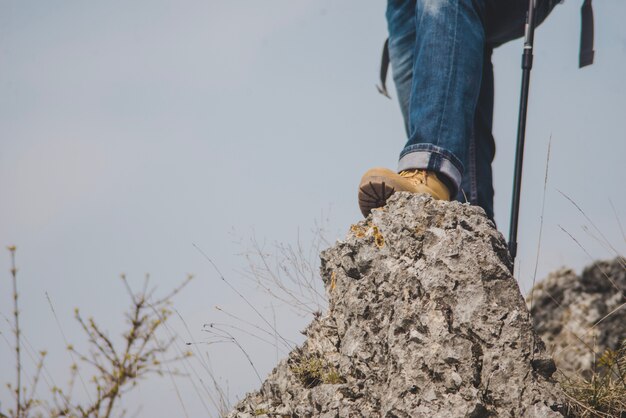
378	184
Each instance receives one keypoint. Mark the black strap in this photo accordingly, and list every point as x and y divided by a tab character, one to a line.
384	66
586	35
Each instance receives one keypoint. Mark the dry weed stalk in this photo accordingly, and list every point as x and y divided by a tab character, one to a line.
117	368
289	273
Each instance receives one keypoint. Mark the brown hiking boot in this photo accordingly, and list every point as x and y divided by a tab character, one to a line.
378	184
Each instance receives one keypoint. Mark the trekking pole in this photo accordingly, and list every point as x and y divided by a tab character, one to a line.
527	65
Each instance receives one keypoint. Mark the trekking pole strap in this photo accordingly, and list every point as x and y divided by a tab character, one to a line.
586	35
384	67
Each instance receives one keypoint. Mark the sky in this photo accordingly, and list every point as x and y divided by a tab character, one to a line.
133	134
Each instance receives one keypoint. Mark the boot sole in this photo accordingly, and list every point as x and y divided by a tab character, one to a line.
373	194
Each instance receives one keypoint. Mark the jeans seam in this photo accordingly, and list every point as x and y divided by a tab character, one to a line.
416	24
472	170
450	69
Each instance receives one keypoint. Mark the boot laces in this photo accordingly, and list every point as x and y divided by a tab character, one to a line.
418	176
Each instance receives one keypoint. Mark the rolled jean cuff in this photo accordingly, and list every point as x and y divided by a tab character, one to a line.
433	158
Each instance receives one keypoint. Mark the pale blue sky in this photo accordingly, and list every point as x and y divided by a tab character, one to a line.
131	130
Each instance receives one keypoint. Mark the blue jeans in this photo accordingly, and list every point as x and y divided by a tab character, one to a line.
440	53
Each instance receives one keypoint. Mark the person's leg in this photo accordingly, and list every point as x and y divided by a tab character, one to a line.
504	21
440	53
436	52
401	26
447	62
477	184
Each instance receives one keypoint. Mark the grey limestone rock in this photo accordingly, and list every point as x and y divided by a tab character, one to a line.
579	317
424	320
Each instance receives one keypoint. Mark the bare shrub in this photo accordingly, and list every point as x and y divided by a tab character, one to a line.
116	368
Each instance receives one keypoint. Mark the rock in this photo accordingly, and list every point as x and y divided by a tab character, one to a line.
579	317
424	320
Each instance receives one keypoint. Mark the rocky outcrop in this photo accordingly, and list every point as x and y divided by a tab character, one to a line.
424	320
579	317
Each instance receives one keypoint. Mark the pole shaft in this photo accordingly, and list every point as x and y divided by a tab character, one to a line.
527	64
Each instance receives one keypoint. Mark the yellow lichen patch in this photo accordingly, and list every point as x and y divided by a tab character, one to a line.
333	281
378	237
361	231
358	230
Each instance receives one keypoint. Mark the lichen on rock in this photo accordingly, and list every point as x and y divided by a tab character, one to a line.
424	320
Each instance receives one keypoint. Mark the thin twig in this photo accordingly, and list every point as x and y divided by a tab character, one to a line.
67	344
221	276
543	205
16	318
621	228
590	221
194	371
592	259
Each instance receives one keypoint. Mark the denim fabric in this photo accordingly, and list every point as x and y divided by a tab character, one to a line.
440	52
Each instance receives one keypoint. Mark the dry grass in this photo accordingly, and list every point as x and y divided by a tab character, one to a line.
604	393
289	273
313	370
